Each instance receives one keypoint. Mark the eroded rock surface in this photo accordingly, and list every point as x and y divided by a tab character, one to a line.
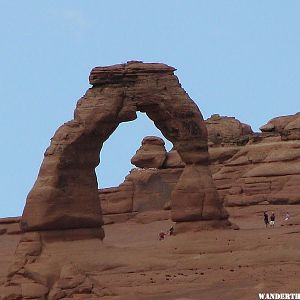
248	168
227	130
151	154
262	172
143	190
65	194
131	263
267	169
287	126
63	208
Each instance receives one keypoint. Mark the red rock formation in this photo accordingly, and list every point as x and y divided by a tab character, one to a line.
117	200
152	188
147	189
151	154
265	170
65	194
10	225
143	190
227	130
287	126
173	160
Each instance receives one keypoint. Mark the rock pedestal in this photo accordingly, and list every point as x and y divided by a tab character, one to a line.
151	154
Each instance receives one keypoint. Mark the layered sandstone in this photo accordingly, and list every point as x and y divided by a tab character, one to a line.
151	154
262	172
248	168
287	126
65	195
267	169
63	208
144	190
131	263
227	130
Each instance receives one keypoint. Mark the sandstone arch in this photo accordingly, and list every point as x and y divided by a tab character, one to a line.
65	194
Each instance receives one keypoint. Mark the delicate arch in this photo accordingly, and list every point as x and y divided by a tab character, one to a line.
65	193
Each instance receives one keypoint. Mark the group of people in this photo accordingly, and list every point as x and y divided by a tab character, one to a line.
268	221
271	221
162	234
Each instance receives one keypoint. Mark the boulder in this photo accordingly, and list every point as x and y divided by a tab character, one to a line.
228	130
287	126
151	154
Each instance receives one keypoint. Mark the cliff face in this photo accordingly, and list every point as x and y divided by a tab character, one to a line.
247	167
267	168
227	130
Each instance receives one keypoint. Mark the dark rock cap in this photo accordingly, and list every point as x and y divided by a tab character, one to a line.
101	75
154	140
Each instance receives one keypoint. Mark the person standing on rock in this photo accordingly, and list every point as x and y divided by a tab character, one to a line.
266	218
272	220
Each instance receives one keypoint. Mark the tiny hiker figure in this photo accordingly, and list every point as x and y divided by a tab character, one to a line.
266	219
171	231
272	220
161	235
287	216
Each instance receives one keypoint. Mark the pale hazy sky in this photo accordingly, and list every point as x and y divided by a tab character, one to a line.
236	58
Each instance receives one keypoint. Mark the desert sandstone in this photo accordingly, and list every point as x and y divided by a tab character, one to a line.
74	241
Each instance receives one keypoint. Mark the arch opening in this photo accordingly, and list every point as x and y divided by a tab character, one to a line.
117	151
65	195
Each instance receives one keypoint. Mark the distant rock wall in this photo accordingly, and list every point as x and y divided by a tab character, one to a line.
227	130
262	172
248	168
266	169
287	126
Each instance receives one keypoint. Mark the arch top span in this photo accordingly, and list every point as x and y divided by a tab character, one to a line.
123	72
65	194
